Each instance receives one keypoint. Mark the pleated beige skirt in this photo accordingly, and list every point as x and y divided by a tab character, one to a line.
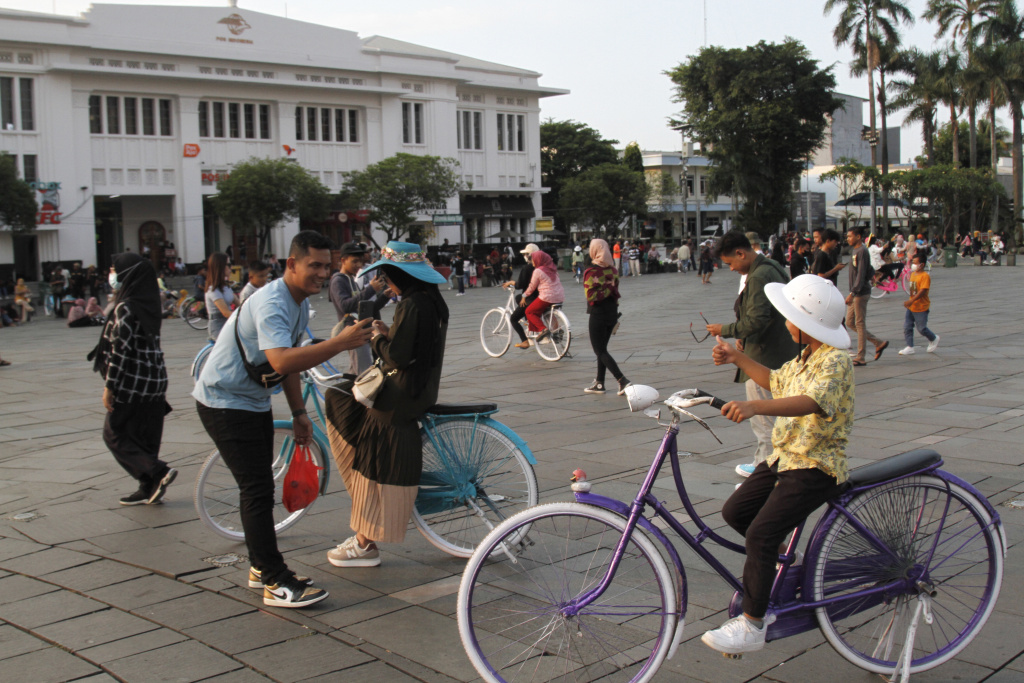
380	512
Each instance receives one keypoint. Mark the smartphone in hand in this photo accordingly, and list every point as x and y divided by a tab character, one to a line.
365	310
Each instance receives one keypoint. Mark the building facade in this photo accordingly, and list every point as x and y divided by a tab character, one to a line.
682	206
126	118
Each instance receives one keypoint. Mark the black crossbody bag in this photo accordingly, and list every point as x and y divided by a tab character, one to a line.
263	374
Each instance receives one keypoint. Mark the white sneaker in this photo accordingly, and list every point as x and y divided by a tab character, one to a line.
737	635
932	345
350	554
908	351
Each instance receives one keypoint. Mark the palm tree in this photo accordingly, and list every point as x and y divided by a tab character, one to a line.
1006	28
992	66
920	94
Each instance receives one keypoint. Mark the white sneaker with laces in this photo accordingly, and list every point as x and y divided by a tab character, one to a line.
738	635
351	554
932	345
908	351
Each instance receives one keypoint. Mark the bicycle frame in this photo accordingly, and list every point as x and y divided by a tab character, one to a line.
793	611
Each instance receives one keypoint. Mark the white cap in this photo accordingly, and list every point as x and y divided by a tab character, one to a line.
529	249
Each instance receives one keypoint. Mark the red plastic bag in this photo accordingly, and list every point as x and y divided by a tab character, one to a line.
302	481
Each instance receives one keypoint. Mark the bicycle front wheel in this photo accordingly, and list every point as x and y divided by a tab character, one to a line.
195	315
474	477
878	292
942	538
513	614
495	332
556	344
200	361
217	498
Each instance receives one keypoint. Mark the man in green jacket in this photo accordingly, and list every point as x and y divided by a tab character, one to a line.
760	330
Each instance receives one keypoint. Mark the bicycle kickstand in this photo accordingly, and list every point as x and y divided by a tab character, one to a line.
902	670
504	546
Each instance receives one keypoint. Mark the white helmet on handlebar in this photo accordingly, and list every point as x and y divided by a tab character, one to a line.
814	305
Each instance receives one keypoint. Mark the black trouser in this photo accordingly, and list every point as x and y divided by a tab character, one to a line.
133	432
245	440
602	320
764	509
518	315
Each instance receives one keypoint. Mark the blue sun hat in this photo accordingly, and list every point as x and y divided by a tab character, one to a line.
409	257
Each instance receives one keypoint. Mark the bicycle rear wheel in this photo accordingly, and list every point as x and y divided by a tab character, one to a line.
474	477
557	343
217	498
495	332
511	612
877	292
200	361
195	315
911	517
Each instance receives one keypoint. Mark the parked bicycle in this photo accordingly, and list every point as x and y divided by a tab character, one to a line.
901	572
193	312
476	471
496	331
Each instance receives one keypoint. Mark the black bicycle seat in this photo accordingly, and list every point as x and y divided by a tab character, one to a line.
462	408
893	467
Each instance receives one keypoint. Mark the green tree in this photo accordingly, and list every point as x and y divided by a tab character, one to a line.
17	200
633	158
920	93
759	113
850	177
944	143
567	148
260	193
604	196
396	188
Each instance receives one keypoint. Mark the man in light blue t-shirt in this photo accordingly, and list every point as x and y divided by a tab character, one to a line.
236	412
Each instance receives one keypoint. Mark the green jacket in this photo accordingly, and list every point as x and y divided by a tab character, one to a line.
758	324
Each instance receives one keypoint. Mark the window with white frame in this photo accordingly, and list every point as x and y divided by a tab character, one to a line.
469	126
116	115
17	104
511	132
327	124
703	185
412	123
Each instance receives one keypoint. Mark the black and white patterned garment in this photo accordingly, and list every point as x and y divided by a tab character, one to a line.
135	370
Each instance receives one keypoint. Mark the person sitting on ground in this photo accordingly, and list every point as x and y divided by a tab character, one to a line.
77	316
22	299
548	287
95	311
814	406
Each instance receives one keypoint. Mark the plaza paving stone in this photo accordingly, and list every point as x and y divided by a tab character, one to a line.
93	591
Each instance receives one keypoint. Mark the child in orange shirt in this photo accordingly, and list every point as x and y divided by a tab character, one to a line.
918	305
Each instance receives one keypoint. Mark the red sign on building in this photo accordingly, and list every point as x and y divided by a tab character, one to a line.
191	150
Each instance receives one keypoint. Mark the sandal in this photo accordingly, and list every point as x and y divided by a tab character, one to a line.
859	363
880	349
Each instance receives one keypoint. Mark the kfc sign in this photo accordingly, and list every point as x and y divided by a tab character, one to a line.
49	203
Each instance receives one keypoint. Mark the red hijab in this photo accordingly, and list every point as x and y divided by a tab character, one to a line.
542	262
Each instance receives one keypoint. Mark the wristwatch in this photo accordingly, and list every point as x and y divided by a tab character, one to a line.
300	411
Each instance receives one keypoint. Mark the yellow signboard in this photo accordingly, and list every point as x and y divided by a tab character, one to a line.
545	224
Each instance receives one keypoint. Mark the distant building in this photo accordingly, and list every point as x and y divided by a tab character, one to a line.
127	117
844	138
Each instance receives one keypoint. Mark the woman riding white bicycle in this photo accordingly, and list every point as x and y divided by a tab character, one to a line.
521	283
548	287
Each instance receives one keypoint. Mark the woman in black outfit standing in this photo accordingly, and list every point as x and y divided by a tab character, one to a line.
601	284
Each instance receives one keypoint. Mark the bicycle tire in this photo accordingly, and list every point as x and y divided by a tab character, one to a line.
557	343
200	361
195	315
878	292
216	493
911	515
510	613
495	332
478	464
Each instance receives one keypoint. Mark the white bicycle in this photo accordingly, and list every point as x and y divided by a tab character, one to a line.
496	331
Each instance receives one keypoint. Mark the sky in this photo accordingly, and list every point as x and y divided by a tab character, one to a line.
610	54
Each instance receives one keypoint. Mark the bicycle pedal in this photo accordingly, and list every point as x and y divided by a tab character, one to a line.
733	655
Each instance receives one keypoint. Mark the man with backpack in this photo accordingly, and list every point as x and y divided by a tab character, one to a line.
760	330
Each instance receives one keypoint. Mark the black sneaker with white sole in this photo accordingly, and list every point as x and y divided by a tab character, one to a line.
161	487
140	497
292	593
256	578
595	388
623	383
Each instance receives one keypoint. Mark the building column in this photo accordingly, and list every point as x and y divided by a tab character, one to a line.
188	202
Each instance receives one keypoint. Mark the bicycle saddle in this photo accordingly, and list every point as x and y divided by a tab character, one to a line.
894	466
462	408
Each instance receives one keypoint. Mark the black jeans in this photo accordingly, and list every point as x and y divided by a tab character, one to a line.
133	432
517	317
245	440
602	321
764	509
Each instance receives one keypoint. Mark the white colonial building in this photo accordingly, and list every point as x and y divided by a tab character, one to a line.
126	118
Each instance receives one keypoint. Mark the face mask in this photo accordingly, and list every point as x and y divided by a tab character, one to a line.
114	284
915	267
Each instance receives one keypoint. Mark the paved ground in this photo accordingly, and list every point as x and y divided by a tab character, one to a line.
92	591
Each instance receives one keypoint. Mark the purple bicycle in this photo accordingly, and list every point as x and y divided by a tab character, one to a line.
901	572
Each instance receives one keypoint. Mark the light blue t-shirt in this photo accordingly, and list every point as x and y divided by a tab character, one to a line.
270	319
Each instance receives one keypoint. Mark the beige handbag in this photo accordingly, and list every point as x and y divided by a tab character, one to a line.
369	383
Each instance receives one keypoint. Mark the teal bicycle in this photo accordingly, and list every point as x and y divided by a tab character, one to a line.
476	471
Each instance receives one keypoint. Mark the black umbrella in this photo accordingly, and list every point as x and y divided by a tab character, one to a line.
505	234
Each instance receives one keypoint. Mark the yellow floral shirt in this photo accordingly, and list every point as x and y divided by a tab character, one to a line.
818	440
